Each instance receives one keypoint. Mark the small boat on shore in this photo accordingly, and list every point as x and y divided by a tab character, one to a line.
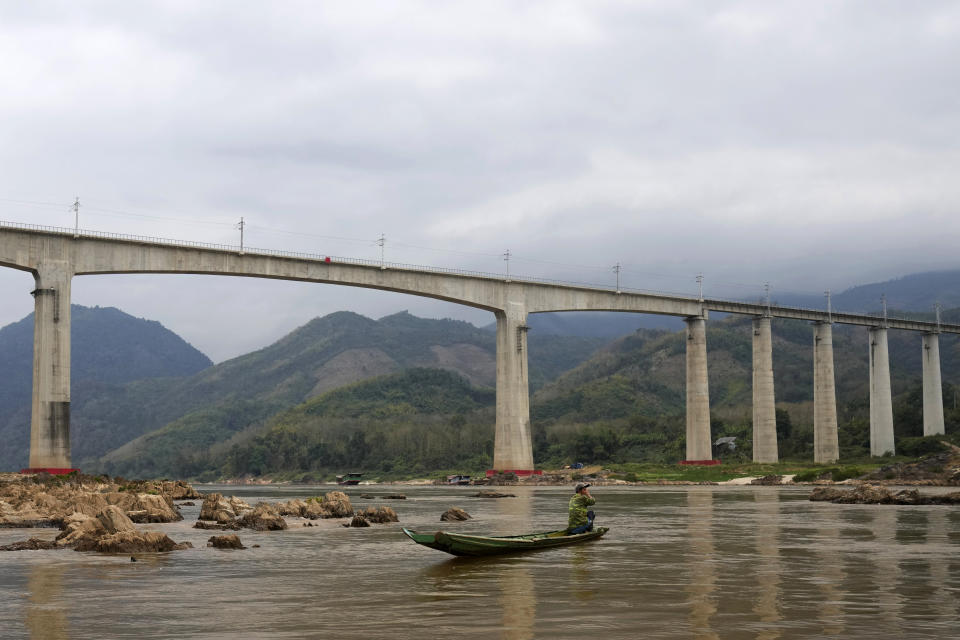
349	478
460	544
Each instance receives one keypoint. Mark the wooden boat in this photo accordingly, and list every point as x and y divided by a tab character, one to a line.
460	544
349	478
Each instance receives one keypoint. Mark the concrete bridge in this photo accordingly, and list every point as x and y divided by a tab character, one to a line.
54	256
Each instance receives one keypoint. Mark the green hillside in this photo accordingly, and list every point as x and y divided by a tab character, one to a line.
109	348
625	404
200	415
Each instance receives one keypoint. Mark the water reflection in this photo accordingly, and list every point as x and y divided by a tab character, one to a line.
831	575
46	618
702	583
767	606
887	574
517	596
931	572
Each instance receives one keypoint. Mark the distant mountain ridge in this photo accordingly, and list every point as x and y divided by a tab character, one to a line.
625	403
218	402
914	293
108	347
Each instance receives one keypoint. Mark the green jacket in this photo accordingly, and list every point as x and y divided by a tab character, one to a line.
578	510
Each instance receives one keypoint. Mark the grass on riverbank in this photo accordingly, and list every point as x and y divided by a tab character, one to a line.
803	470
649	472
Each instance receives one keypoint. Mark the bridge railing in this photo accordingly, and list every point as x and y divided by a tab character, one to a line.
191	244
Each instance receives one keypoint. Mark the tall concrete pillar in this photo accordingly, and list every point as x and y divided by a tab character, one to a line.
50	419
699	443
826	442
932	387
764	408
881	403
513	447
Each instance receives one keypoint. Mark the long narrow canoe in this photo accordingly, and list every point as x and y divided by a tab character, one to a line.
460	544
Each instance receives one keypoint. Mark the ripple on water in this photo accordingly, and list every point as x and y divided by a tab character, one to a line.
678	562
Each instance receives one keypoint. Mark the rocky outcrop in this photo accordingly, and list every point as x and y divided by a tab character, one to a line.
134	542
231	541
111	531
144	507
222	509
942	469
379	515
33	544
454	514
33	501
336	504
770	480
872	494
493	494
263	517
173	489
358	521
179	490
215	526
295	507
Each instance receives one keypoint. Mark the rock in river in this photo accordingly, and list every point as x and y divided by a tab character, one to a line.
111	531
264	517
32	544
379	515
222	509
872	494
454	514
493	494
358	521
231	541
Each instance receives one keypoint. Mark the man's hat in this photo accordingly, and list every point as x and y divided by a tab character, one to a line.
581	486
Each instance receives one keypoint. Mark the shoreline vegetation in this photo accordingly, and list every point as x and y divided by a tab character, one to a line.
940	466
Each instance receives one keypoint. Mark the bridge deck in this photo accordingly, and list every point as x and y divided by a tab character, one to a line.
654	302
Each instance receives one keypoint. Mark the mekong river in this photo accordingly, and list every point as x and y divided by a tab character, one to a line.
678	562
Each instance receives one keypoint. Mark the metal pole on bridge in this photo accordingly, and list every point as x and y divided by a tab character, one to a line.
240	226
76	217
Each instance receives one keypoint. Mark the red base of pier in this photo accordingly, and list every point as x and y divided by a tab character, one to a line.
518	472
705	463
51	470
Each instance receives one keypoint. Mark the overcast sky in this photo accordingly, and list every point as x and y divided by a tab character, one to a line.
810	144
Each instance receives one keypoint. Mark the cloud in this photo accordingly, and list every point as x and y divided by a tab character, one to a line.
809	144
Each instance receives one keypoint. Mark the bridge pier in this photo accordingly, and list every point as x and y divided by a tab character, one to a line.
932	386
513	447
826	441
881	403
699	442
50	417
764	405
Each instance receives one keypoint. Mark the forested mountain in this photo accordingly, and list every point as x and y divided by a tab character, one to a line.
189	416
108	348
626	403
146	403
628	400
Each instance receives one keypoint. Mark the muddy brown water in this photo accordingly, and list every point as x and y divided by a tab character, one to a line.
678	562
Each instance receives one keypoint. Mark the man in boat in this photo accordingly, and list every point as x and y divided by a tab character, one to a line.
581	520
